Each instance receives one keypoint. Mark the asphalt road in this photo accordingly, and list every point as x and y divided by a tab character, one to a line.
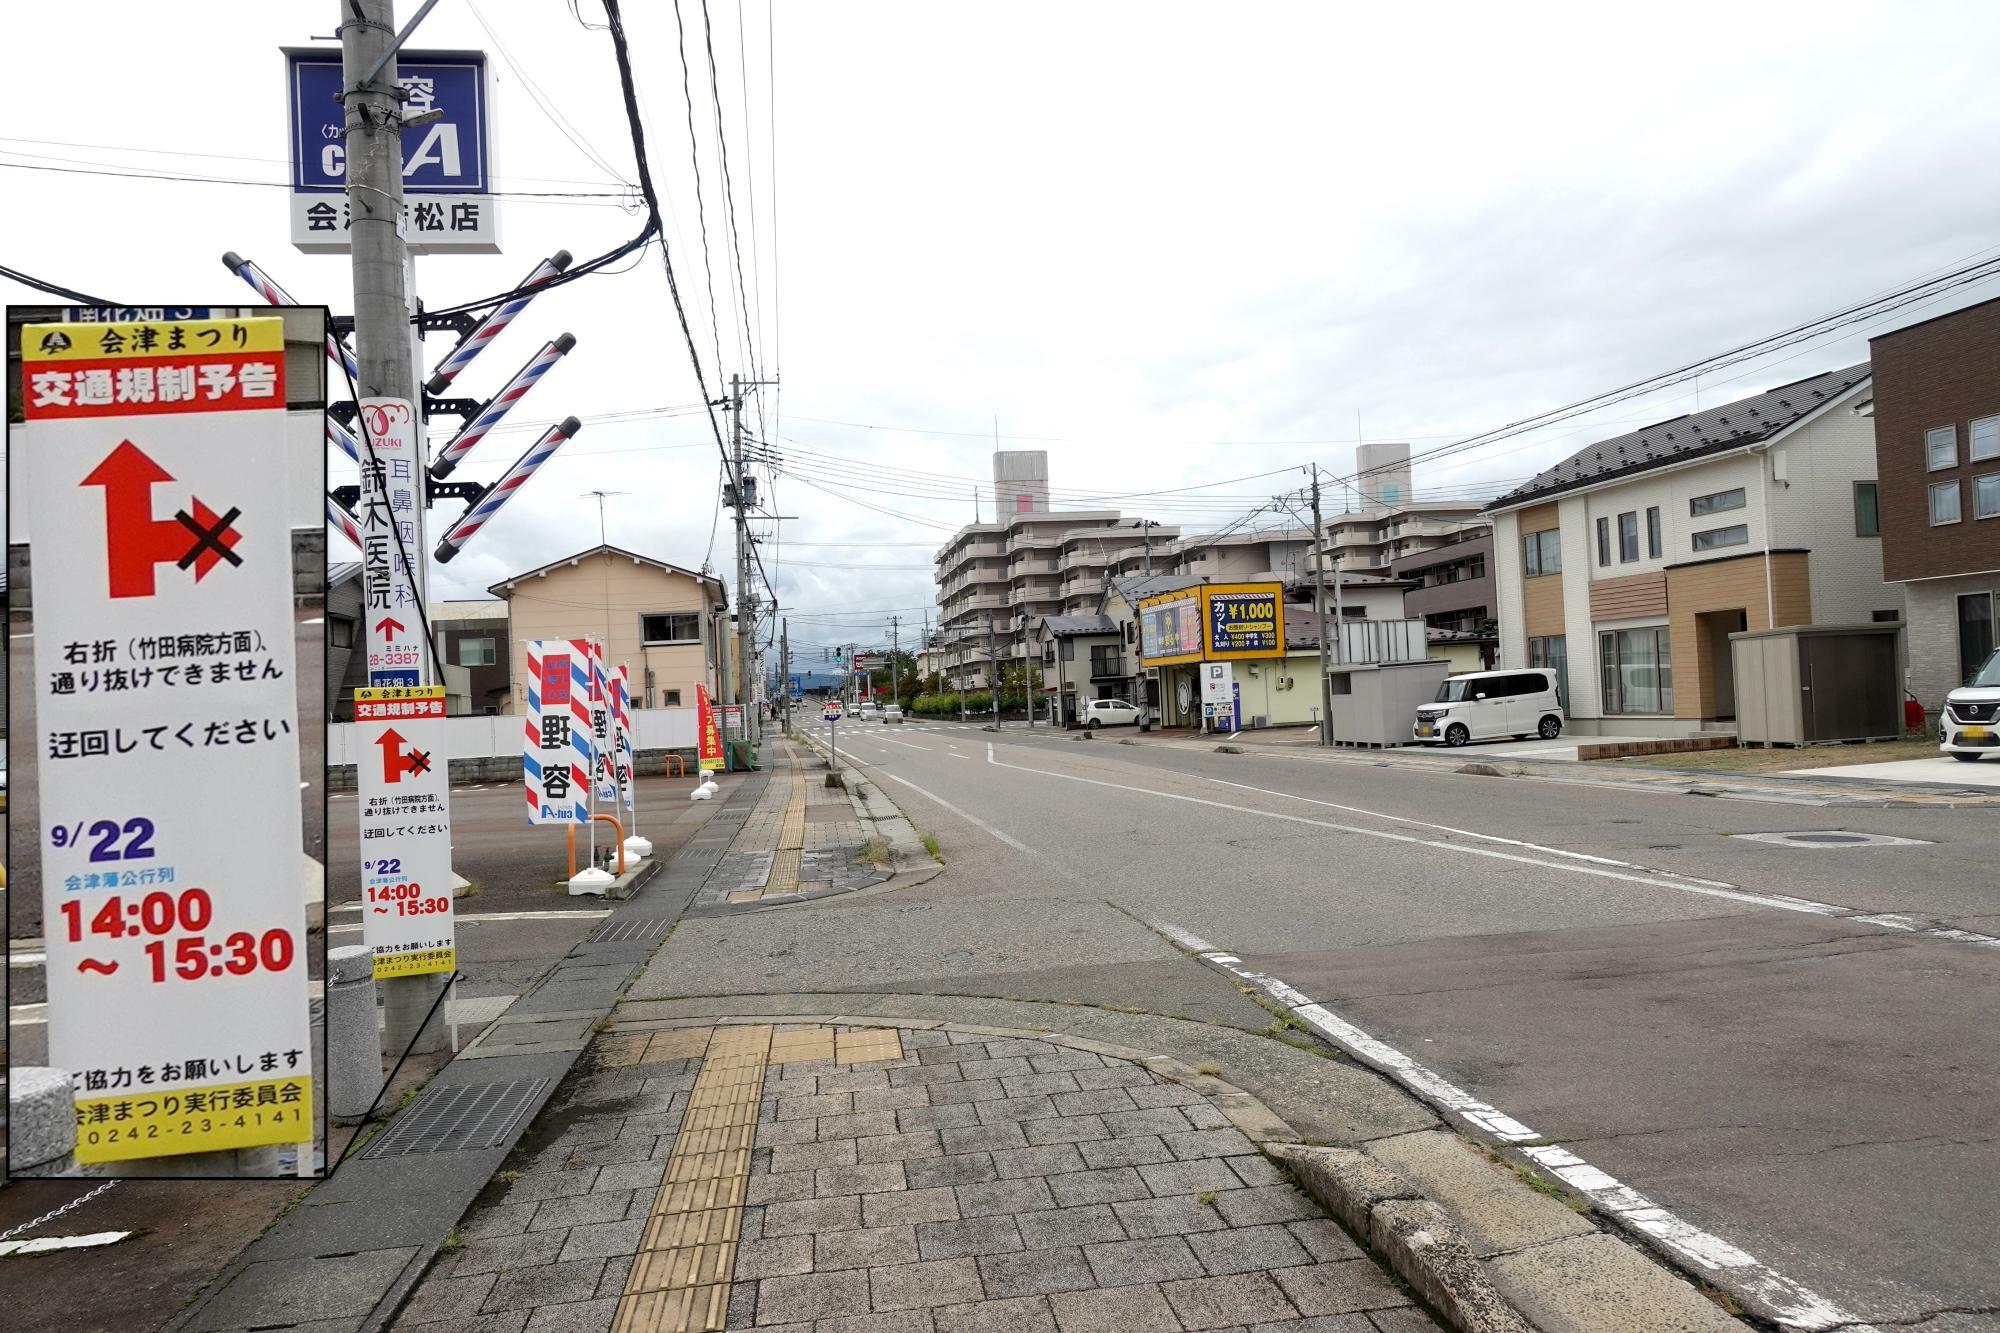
1614	968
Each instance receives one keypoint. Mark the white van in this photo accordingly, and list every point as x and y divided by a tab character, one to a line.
1483	704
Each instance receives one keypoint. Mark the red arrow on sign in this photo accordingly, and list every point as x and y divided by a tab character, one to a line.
392	743
134	541
389	627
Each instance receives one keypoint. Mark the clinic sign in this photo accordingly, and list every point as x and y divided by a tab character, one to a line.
390	596
1220	622
168	751
402	784
447	183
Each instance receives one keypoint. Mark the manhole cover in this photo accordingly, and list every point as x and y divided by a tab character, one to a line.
1826	840
630	928
464	1118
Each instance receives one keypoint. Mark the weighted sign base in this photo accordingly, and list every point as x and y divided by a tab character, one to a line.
637	847
592	881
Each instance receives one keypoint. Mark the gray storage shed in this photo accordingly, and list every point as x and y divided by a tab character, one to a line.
1375	703
1817	684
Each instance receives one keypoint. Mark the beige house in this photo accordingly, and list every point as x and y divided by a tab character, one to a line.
660	620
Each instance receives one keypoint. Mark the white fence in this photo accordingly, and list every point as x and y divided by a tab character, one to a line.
502	735
1382	641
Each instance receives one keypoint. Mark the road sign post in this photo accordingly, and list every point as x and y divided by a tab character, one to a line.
168	758
832	716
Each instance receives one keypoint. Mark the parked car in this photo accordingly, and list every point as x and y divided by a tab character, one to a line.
1484	704
1970	726
893	713
1109	713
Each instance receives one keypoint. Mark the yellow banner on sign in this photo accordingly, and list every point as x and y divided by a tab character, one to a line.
135	342
415	964
169	1121
369	694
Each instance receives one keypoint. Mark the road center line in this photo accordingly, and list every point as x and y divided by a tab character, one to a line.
968	817
1787	904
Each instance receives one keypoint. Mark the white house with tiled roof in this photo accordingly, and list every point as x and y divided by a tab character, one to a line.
1626	566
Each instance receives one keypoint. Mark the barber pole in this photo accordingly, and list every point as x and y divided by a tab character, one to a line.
342	436
489	328
260	282
501	491
499	406
343	522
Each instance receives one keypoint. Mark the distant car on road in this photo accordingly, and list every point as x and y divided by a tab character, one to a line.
1109	713
1482	704
1970	726
867	710
893	713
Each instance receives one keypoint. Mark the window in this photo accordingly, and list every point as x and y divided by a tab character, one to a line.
1737	534
1552	653
1941	447
677	627
475	652
1975	632
1985	439
670	698
1986	496
1888	617
1603	541
1653	533
1867	510
1475	568
1541	553
1638	670
1944	503
1716	503
339	632
1628	537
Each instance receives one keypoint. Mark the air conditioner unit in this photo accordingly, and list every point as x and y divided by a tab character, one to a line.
1259	720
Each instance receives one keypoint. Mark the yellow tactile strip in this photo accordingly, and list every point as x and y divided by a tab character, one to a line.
680	1278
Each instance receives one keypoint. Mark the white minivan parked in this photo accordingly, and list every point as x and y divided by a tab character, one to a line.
1483	704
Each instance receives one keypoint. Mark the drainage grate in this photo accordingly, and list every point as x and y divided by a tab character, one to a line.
1826	840
463	1118
631	928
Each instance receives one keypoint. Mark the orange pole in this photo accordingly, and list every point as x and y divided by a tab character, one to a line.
609	819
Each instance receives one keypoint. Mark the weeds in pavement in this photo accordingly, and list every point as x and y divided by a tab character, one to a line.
452	1243
1209	1068
875	851
507	1177
1537	1183
931	845
1206	1198
1730	1305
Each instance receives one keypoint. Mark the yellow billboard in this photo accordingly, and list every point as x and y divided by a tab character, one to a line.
1242	621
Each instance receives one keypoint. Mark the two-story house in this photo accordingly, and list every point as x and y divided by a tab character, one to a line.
1627	566
1937	453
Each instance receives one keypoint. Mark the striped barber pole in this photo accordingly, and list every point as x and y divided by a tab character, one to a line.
621	721
343	522
342	436
260	282
489	328
555	760
501	491
499	406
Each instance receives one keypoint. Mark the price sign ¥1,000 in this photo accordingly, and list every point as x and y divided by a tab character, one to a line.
168	756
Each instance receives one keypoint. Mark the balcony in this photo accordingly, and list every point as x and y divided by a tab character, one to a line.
1107	666
1030	540
1021	569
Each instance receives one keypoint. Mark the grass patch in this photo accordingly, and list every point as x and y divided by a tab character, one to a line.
1206	1198
1537	1183
452	1242
507	1177
1812	756
1209	1068
875	851
931	845
1730	1305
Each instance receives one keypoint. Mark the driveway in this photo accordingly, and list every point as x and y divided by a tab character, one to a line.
1942	768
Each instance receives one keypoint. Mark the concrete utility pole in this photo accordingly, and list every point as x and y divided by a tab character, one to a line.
785	667
993	648
746	620
1027	675
385	355
1319	609
896	658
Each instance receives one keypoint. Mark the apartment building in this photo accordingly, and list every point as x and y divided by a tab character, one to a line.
1937	500
1626	566
1453	595
1373	541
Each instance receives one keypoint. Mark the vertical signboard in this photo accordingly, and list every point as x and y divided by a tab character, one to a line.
447	187
621	731
403	785
390	489
1170	629
708	738
603	746
168	753
555	766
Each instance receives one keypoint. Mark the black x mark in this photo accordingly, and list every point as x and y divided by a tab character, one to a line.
209	539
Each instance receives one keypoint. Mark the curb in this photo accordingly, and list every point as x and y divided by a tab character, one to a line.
910	863
1386	1215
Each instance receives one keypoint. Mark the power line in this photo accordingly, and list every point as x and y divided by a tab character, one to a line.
545	195
545	103
729	193
700	205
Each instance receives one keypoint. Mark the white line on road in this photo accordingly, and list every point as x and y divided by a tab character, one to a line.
1715	1260
27	1015
26	959
316	620
884	740
478	918
969	818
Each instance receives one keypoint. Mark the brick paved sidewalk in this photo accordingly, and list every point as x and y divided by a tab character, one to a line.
802	841
836	1179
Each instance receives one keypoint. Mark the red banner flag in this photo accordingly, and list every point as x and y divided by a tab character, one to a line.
709	749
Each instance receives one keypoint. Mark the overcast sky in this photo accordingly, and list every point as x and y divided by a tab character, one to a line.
1172	245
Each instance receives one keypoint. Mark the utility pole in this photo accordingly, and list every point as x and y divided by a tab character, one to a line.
896	657
993	650
746	620
1146	525
1319	609
1027	675
385	356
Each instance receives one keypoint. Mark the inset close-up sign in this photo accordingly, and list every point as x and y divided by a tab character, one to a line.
168	753
402	783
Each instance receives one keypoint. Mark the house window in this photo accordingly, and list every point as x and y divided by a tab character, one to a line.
1985	439
1603	541
1867	510
1541	553
1552	653
1653	533
1944	503
1986	496
674	627
1887	617
1628	537
1941	447
1975	632
339	632
670	698
1716	503
1638	670
475	652
1736	534
1475	568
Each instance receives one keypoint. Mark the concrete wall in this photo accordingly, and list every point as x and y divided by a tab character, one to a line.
1931	615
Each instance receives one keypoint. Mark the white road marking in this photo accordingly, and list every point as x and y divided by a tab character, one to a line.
319	620
884	740
27	1015
47	1244
479	918
21	634
968	817
26	959
1721	1264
